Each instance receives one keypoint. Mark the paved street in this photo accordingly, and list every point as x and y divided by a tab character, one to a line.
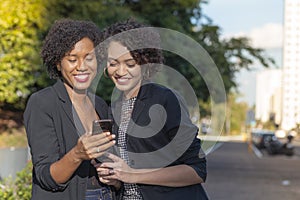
236	174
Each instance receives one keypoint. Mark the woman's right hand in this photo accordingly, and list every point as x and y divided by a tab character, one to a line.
92	146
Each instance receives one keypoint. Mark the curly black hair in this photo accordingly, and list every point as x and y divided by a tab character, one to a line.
139	39
61	39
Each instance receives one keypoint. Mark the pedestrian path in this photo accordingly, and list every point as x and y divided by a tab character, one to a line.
221	138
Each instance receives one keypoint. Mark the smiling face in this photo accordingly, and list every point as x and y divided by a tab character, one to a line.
79	66
124	70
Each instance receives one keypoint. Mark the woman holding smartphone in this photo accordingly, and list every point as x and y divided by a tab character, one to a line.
58	119
130	69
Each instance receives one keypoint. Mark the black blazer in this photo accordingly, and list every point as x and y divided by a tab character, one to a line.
53	128
161	134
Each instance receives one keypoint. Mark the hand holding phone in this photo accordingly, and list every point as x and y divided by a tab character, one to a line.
100	126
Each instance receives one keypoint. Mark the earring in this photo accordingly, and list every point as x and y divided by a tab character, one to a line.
105	73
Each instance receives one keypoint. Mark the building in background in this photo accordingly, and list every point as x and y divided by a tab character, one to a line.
291	66
268	95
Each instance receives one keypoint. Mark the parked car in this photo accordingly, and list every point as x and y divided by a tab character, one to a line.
274	146
261	137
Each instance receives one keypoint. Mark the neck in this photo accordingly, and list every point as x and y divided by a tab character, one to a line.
131	94
76	96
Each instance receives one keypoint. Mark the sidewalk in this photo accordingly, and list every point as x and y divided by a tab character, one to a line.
243	138
240	138
222	138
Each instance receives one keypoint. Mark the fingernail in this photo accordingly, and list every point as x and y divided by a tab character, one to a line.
113	136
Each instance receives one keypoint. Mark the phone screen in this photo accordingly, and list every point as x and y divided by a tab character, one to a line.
102	125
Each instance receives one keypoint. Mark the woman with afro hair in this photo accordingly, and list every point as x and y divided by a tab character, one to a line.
58	119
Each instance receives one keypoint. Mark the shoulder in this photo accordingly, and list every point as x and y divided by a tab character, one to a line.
43	96
159	93
154	89
42	100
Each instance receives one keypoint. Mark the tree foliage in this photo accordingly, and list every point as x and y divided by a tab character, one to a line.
237	114
19	47
20	187
24	23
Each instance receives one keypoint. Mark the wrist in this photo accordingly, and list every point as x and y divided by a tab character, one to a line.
74	156
135	176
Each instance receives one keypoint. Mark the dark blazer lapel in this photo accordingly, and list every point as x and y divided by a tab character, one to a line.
139	105
137	110
115	114
100	105
66	105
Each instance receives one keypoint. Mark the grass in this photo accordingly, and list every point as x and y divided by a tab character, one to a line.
13	138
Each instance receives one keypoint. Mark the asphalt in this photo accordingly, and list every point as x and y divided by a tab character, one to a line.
235	172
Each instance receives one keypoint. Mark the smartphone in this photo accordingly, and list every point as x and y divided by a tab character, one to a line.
102	125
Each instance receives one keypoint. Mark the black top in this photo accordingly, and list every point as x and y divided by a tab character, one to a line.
161	134
53	129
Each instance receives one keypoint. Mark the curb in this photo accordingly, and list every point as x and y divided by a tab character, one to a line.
256	151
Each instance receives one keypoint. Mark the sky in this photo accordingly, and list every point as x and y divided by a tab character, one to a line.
259	20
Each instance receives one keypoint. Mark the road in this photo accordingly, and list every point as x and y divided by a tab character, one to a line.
234	173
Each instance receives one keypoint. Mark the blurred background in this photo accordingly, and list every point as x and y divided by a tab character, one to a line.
254	44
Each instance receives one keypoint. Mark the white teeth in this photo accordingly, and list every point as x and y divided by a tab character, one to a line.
81	76
122	79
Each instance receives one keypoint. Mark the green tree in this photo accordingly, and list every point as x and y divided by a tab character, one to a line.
236	114
230	55
20	188
186	16
19	47
103	12
23	27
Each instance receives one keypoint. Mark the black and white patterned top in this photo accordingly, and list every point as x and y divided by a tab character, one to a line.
131	191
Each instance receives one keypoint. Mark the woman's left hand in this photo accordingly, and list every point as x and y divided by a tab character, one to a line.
118	169
103	174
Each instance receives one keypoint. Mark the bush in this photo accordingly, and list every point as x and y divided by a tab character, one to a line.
20	188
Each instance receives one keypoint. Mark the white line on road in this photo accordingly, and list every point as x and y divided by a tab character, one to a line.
256	151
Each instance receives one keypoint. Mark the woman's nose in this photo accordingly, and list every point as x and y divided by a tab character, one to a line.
81	66
122	70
